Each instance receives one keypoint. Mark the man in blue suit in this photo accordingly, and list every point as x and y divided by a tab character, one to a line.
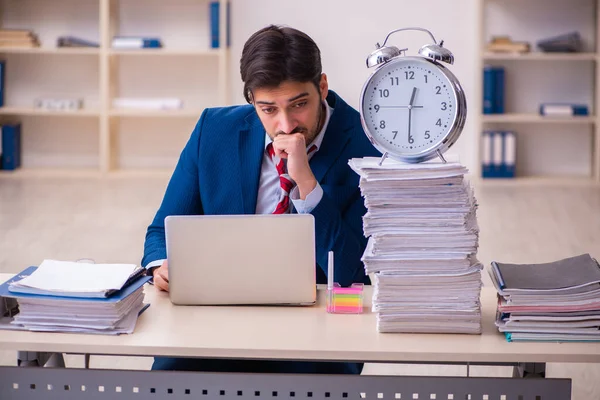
234	163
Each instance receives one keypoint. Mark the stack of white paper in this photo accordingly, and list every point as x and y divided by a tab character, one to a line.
556	301
423	239
63	296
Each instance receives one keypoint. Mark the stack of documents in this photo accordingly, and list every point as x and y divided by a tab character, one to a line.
556	301
423	239
60	296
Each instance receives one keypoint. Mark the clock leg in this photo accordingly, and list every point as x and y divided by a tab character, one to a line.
385	155
439	153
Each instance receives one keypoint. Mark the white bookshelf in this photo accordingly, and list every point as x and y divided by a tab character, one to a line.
549	149
98	139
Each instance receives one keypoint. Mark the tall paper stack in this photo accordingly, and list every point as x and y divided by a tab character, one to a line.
423	239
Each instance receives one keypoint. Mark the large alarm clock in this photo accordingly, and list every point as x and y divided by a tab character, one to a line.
412	108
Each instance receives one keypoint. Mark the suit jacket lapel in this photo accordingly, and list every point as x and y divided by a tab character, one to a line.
335	139
251	150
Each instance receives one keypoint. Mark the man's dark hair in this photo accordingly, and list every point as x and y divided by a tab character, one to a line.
275	54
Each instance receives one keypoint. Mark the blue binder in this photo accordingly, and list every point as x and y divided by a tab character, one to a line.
493	89
214	24
2	73
499	90
116	297
11	146
499	150
488	90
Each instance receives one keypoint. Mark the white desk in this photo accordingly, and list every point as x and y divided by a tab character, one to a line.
295	333
300	333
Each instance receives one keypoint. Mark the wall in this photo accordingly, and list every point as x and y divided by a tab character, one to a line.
346	32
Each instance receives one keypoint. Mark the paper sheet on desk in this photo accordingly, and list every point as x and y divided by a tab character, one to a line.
75	279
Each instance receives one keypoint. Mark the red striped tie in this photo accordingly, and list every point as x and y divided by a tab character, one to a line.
287	184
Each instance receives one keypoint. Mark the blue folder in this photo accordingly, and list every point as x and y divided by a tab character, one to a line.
114	298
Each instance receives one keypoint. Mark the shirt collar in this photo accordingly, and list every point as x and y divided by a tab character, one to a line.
319	139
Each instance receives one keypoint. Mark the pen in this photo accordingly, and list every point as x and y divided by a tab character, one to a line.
330	271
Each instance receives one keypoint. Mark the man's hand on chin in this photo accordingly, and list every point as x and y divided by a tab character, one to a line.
293	148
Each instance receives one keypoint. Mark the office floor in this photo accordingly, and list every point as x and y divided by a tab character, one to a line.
105	220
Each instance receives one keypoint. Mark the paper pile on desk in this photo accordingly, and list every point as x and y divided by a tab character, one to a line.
75	297
423	239
556	301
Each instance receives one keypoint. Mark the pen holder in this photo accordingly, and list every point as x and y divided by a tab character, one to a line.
345	300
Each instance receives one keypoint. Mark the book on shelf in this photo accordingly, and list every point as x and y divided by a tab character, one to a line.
563	110
566	43
2	81
18	38
136	42
214	12
10	146
74	41
493	89
504	44
499	154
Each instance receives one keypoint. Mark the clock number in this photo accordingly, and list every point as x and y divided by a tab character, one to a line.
376	107
395	134
439	122
394	80
384	93
382	124
409	74
411	140
425	78
427	135
444	106
438	90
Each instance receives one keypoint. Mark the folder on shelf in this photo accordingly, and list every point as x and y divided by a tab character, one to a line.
74	41
563	109
214	7
486	154
566	43
2	81
11	146
499	153
133	103
136	42
510	154
493	89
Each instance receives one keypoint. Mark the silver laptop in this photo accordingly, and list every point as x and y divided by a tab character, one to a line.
241	259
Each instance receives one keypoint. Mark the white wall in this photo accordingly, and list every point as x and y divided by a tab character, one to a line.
346	32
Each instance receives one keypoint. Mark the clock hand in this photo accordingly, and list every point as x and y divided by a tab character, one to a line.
409	118
400	106
412	97
410	107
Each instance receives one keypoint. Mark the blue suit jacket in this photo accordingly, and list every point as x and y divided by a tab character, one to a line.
218	173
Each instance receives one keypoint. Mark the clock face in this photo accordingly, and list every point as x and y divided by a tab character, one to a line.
409	106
